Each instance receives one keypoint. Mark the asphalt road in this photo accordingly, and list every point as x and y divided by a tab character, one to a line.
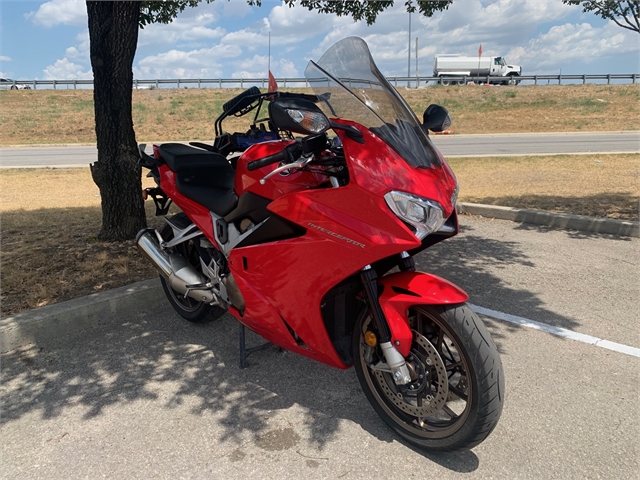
154	396
449	145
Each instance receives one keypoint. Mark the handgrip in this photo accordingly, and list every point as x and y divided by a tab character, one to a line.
241	101
268	160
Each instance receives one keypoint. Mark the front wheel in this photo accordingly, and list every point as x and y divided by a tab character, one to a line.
456	394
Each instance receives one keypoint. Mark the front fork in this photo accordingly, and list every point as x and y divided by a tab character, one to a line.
395	363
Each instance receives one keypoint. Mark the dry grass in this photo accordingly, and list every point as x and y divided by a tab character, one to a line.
66	116
49	249
50	252
594	185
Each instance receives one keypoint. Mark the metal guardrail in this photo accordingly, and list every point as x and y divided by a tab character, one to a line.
302	82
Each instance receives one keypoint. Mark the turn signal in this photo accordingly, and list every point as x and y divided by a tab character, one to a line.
370	338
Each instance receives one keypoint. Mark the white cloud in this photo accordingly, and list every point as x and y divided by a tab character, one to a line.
190	27
500	25
291	25
569	43
199	63
80	51
4	58
287	68
230	38
237	8
63	69
502	21
246	38
55	12
257	67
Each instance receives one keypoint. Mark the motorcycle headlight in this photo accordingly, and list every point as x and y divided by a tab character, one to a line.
426	216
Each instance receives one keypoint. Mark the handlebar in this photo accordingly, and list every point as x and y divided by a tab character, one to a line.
309	145
268	160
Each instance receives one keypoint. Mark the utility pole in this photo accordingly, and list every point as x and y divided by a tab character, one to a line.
269	60
417	77
409	52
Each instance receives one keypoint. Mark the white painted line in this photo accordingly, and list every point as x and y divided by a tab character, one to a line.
70	165
560	332
496	155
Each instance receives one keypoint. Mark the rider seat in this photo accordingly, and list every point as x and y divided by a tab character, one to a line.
204	177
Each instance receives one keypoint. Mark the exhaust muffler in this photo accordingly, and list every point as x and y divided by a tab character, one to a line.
174	268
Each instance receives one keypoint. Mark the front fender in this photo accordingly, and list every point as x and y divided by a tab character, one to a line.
402	290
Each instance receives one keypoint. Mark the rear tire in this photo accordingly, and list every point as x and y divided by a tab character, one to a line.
458	402
188	308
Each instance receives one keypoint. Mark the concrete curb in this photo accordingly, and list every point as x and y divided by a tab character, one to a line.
44	324
565	221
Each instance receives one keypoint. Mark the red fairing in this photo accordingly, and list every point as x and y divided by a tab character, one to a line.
351	223
426	289
198	213
377	168
294	275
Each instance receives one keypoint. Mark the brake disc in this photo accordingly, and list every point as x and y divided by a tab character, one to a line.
431	403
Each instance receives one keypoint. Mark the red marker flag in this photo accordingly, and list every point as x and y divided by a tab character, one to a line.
480	51
273	85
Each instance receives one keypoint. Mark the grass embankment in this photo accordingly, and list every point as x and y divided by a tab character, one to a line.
50	253
594	185
66	116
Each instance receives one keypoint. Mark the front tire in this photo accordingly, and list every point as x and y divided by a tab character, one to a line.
457	390
188	308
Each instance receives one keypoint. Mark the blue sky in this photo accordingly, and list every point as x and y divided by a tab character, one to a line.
229	39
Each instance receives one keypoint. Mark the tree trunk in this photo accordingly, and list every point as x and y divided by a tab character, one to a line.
113	35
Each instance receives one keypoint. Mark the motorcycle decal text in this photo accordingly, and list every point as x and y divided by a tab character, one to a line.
337	235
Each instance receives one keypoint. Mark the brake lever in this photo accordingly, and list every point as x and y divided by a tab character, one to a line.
300	163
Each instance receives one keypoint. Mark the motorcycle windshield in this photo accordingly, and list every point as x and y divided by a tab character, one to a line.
351	87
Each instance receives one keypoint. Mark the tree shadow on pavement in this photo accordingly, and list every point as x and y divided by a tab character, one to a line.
195	365
573	234
617	205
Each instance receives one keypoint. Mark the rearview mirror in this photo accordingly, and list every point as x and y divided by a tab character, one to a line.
436	118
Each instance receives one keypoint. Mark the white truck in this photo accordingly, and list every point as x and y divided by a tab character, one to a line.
451	67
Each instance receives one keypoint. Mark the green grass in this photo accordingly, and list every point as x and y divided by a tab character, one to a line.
80	105
590	104
176	103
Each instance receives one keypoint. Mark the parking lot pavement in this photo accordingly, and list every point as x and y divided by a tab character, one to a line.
154	396
588	283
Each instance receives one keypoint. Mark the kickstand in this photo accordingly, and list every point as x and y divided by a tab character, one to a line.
244	351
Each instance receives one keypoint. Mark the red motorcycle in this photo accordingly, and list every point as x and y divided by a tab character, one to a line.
308	241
